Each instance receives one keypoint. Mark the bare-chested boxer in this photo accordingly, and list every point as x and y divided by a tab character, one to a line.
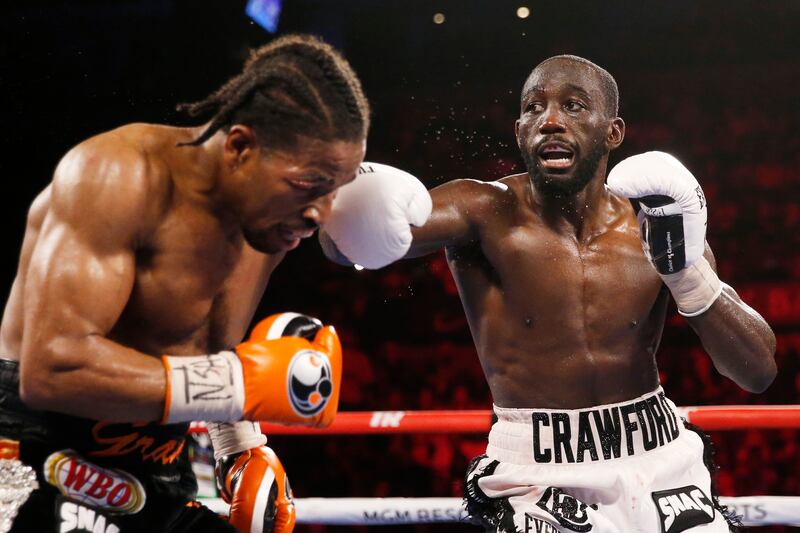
156	240
567	312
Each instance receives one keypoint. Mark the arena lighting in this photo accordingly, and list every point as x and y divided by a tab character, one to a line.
265	13
438	18
523	12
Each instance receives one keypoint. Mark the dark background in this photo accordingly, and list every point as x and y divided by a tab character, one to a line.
714	82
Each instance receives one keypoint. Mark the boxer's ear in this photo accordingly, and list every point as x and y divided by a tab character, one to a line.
616	133
516	131
240	143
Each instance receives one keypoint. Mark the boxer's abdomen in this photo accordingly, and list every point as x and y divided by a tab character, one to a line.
562	323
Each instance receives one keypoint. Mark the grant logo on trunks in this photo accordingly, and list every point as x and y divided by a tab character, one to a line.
601	431
308	382
141	438
683	508
107	489
569	512
76	517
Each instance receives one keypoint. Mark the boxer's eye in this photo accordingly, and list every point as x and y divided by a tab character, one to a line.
534	107
574	105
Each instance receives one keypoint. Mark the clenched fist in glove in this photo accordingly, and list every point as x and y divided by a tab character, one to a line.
274	376
672	220
371	218
256	486
249	475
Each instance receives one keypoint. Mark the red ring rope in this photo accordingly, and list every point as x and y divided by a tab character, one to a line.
478	421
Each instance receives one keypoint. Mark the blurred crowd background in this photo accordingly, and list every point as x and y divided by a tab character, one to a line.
713	82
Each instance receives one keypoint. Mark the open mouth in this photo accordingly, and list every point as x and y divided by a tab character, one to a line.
556	156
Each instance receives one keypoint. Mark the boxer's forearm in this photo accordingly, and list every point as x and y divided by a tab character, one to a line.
96	378
447	226
741	344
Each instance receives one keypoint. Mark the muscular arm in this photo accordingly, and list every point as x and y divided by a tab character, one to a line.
457	208
79	280
740	342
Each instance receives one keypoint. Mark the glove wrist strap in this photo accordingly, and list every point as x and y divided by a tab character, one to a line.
203	387
230	439
695	288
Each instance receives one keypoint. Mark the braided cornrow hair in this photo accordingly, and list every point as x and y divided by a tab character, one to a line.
295	85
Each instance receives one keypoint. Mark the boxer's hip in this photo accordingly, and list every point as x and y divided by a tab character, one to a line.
589	435
608	469
145	446
123	470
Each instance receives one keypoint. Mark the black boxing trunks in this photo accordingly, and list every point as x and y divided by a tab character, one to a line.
100	477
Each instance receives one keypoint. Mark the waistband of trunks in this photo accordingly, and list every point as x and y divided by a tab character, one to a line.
587	435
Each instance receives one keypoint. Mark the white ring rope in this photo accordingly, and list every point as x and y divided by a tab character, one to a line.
755	510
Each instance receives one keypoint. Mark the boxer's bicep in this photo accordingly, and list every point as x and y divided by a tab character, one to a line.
73	289
737	338
455	218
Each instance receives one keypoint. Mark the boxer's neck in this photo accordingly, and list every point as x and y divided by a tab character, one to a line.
582	214
198	173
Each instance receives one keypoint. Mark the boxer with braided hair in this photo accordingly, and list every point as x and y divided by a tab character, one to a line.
141	268
296	83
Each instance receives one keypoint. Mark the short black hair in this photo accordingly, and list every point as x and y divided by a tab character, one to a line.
297	85
608	83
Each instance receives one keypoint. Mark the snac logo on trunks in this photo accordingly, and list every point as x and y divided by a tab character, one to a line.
103	488
683	508
79	519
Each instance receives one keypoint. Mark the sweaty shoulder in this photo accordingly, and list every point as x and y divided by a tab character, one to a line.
110	181
475	199
463	211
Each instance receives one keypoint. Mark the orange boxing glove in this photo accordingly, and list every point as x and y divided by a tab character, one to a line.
313	375
255	484
273	376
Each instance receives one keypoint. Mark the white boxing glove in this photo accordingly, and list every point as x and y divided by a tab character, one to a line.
371	218
672	220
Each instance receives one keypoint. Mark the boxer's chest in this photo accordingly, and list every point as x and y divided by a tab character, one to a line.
187	282
605	284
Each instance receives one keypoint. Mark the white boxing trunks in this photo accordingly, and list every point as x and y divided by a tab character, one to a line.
630	467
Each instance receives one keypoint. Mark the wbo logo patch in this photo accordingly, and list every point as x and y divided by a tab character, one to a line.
683	508
569	512
308	381
106	489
